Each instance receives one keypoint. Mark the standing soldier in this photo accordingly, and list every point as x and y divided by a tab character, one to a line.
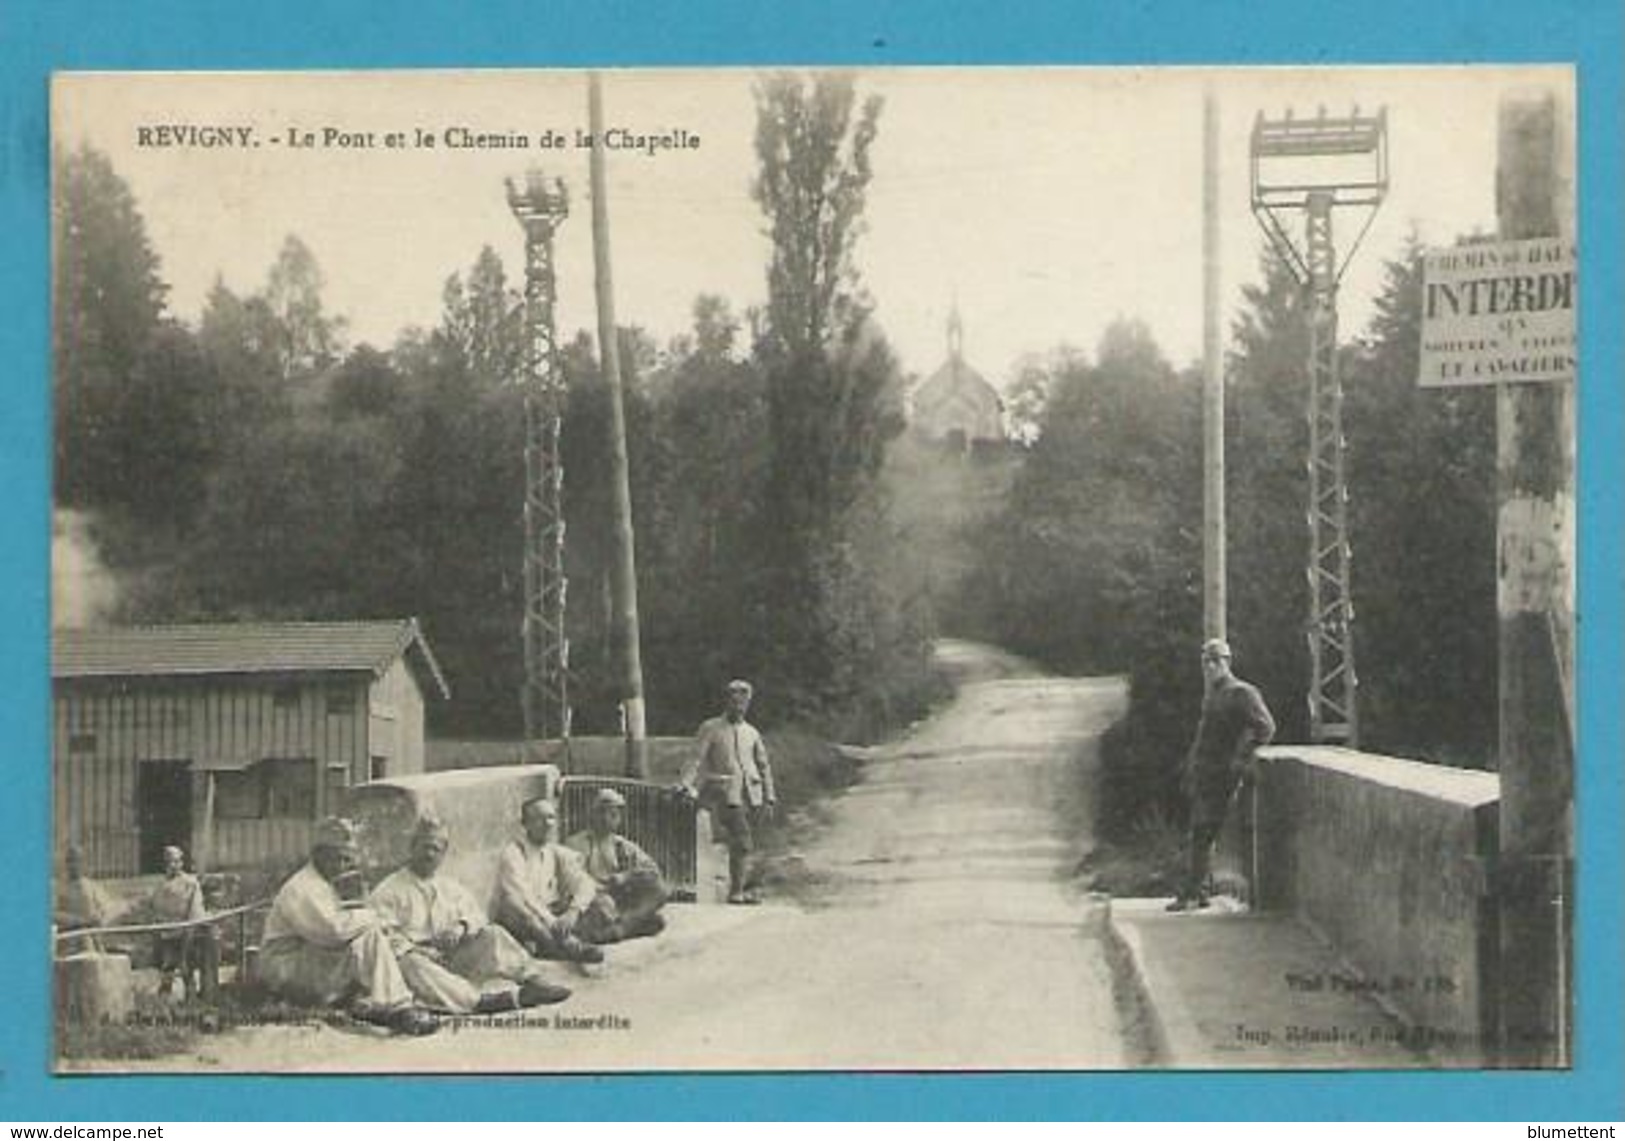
1235	721
177	898
730	774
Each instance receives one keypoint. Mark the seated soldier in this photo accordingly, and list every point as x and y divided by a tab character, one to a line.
543	891
631	889
323	947
177	898
451	956
80	902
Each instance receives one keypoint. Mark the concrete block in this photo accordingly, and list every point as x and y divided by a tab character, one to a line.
480	808
94	988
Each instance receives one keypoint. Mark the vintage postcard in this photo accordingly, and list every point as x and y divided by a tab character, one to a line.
909	569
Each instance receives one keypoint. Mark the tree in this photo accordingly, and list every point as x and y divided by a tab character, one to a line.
833	388
484	321
828	423
239	339
1028	395
107	306
296	526
1266	456
1098	525
307	339
705	616
1422	472
813	178
366	384
716	329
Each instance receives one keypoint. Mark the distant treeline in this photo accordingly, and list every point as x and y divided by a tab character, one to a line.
1096	565
254	465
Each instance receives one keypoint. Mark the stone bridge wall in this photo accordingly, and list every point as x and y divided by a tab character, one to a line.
1390	860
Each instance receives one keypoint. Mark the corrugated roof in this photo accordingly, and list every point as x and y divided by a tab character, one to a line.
238	648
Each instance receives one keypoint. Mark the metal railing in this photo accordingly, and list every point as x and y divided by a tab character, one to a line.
660	820
203	934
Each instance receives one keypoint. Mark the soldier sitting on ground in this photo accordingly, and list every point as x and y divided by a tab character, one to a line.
631	890
452	957
543	893
322	945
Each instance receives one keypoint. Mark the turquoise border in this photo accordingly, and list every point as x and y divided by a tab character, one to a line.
37	37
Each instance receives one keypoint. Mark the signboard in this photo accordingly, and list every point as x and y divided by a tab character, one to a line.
1498	313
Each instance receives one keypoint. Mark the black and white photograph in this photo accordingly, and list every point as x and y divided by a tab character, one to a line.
895	569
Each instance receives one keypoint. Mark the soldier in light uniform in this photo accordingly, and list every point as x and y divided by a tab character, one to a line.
543	892
731	775
177	898
453	958
322	945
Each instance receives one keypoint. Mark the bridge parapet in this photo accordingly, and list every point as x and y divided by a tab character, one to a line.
480	808
1391	860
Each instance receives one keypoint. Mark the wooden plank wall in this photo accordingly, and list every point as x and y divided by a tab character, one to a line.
397	721
217	723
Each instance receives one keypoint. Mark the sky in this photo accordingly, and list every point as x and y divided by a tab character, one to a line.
1045	202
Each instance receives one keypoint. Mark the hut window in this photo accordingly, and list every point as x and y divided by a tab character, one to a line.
288	788
378	768
340	699
82	743
285	696
236	795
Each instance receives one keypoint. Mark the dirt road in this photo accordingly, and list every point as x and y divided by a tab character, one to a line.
949	937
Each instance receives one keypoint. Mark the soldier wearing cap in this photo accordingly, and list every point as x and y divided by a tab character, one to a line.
321	946
450	954
1234	722
631	889
731	775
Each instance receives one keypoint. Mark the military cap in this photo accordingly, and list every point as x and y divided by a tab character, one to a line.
334	832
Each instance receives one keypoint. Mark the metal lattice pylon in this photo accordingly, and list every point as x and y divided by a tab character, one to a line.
540	206
1314	167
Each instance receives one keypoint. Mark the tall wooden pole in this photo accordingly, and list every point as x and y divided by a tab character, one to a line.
1213	534
623	579
1535	608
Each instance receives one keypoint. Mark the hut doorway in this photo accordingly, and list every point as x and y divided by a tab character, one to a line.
163	807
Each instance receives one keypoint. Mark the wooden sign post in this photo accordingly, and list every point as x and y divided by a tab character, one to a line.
1535	606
